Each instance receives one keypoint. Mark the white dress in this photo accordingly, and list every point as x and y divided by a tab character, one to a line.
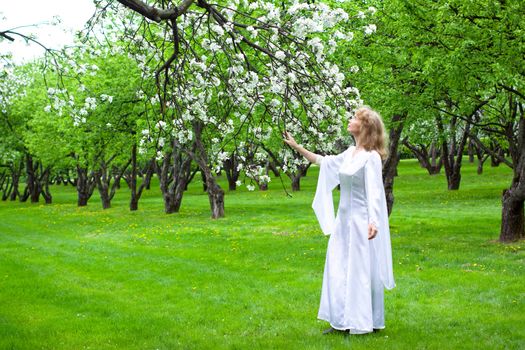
356	269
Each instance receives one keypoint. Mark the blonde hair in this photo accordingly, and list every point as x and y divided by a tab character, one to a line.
372	135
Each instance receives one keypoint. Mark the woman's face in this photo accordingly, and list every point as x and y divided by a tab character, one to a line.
354	126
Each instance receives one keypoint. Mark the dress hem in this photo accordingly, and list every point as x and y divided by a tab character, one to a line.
352	330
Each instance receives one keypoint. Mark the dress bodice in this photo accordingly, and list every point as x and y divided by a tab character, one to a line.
352	184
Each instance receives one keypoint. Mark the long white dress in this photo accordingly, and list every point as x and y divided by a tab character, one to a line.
356	269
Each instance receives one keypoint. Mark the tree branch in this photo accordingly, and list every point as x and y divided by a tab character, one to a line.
489	151
4	34
154	13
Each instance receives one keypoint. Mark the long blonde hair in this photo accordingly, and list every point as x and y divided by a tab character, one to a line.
372	135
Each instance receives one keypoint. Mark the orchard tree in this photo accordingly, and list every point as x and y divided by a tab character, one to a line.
93	105
470	54
226	70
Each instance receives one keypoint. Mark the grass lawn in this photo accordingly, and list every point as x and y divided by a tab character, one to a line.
87	278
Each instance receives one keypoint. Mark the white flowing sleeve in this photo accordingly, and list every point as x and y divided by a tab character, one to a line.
378	215
323	204
375	191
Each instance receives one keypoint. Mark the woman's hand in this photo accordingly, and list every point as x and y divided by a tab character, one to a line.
290	140
372	231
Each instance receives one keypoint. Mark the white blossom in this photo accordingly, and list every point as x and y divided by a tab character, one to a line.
280	55
369	29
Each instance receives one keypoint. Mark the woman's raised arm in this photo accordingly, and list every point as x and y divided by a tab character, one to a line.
310	156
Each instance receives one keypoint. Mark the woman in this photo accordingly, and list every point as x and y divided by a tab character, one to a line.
359	259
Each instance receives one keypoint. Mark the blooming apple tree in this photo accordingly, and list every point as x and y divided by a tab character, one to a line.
239	71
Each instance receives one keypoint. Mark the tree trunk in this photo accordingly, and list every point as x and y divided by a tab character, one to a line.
390	164
427	159
296	177
471	151
215	195
296	182
45	186
33	185
453	153
15	175
215	192
174	174
263	185
274	169
495	158
454	180
7	186
232	174
204	184
85	186
102	185
132	182
512	218
436	161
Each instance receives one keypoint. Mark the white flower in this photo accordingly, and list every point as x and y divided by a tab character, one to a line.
253	32
361	14
214	47
47	109
250	187
371	28
238	183
217	29
265	179
280	55
354	69
372	9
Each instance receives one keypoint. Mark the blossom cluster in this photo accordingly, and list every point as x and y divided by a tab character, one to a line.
258	70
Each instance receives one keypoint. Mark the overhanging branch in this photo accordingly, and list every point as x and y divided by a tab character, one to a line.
154	13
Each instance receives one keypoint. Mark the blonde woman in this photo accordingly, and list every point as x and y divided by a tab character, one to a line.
359	258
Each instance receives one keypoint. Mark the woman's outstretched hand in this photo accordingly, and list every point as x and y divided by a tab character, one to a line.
289	140
372	231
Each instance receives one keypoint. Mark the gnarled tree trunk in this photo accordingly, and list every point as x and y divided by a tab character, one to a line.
85	185
428	159
452	153
390	164
103	179
512	217
231	170
174	174
45	180
200	156
146	178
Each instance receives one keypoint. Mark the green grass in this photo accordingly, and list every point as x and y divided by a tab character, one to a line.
87	278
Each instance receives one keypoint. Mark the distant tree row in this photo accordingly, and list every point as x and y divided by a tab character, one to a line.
175	88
